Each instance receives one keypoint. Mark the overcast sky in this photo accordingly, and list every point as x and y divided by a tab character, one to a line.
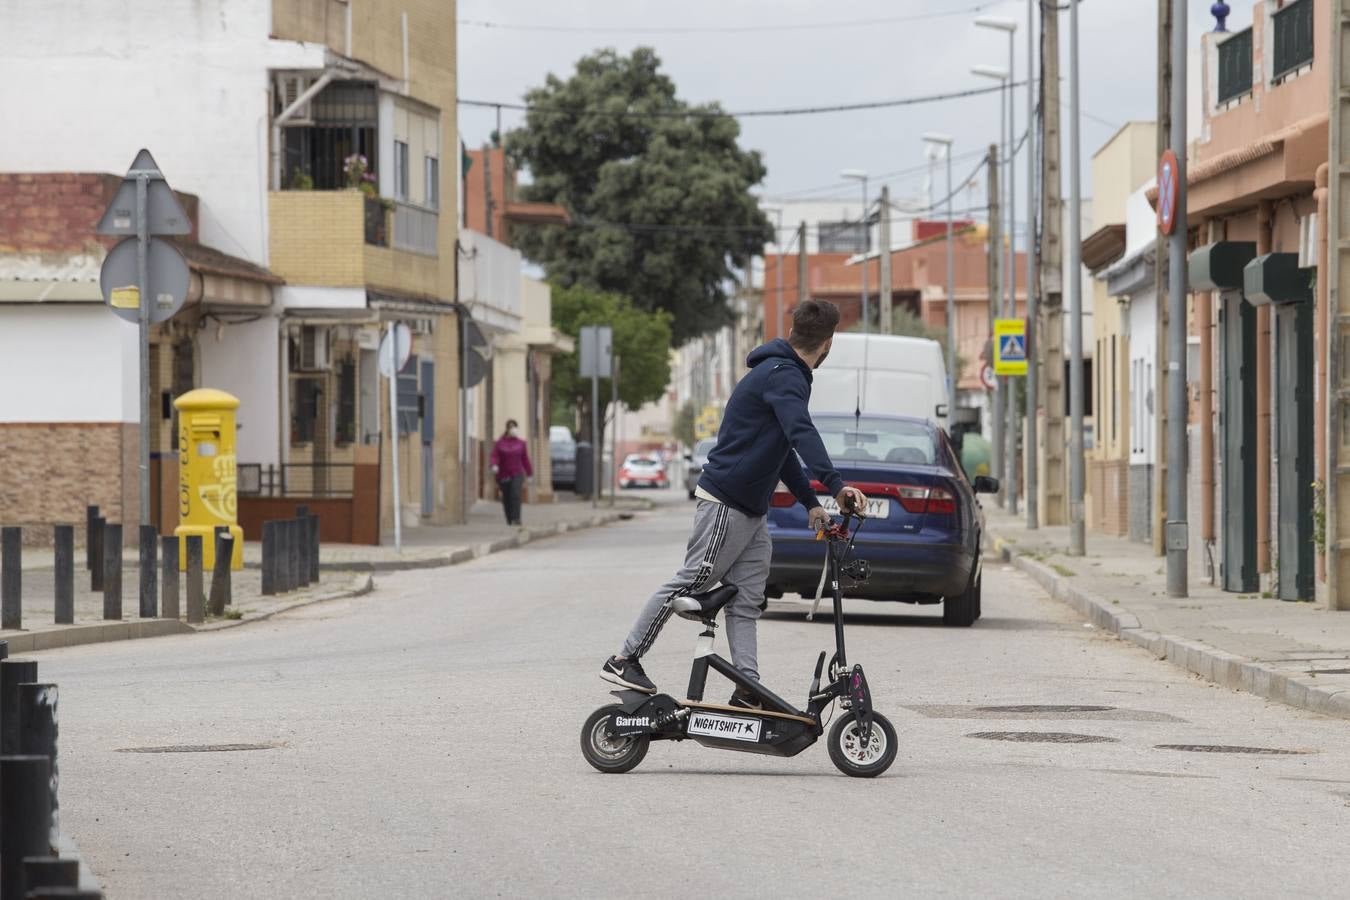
756	69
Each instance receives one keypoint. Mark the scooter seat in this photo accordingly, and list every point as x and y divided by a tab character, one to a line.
703	607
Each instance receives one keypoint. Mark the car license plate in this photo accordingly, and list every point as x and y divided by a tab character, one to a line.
877	507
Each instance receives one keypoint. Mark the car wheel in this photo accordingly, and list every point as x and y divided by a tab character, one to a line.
978	611
960	610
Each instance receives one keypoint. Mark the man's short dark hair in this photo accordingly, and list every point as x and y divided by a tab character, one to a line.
813	323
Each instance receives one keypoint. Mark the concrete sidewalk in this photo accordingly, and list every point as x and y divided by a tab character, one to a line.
345	570
1293	653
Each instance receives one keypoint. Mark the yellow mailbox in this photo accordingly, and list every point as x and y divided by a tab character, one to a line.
207	473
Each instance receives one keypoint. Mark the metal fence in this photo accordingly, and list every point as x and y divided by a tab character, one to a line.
333	480
415	229
1235	66
1293	38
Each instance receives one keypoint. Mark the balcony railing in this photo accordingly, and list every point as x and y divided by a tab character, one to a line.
377	222
1235	66
415	229
295	480
1293	38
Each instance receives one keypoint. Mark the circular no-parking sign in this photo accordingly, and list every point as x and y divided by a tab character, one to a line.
987	378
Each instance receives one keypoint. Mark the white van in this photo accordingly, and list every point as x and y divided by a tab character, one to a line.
889	374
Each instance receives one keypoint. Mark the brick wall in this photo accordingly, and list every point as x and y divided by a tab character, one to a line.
317	237
52	471
57	212
1110	496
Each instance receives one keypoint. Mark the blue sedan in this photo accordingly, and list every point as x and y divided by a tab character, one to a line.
922	537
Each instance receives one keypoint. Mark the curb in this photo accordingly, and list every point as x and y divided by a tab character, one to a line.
464	554
75	635
360	586
1210	663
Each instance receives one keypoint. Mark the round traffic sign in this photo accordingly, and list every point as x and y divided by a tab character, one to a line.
988	379
1168	184
395	348
166	271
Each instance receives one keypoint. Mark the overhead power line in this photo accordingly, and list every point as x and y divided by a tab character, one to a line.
724	29
742	114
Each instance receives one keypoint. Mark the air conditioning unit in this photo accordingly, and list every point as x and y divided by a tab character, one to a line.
314	349
289	88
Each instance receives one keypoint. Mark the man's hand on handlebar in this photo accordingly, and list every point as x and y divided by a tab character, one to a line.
818	518
852	500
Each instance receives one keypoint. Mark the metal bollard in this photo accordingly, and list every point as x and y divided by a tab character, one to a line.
302	550
293	559
90	520
196	602
220	577
96	554
286	581
11	577
13	672
63	540
49	872
269	558
168	587
37	734
25	830
149	545
4	650
112	571
314	549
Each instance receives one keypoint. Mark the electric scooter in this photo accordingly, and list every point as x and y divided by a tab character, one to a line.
862	742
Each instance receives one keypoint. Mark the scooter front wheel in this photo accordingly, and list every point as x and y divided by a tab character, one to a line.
607	752
852	757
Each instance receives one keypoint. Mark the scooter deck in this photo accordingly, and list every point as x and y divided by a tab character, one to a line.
740	710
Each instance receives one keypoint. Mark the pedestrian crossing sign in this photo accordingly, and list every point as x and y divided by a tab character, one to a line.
1010	347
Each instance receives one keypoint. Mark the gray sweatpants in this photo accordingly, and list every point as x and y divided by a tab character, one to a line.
726	546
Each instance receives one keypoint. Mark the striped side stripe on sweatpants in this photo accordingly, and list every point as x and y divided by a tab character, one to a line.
704	564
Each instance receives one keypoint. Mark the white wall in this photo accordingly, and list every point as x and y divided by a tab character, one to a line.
74	363
244	361
91	82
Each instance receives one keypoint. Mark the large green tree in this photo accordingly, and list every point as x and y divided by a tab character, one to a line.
641	341
661	203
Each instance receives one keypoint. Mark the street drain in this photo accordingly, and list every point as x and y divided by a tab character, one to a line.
1035	708
1042	737
199	748
1225	748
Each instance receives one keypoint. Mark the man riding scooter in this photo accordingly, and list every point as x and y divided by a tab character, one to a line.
766	419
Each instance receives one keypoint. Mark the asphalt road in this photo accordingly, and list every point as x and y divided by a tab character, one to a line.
423	742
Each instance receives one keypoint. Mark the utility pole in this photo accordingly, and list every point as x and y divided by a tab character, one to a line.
802	267
884	249
1176	536
1157	494
1010	277
1077	514
1337	484
1053	511
1029	449
995	299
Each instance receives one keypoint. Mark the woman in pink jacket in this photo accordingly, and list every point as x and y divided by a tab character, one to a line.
510	465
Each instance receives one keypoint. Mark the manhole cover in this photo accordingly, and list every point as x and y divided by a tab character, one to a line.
1225	748
198	748
1042	737
1043	708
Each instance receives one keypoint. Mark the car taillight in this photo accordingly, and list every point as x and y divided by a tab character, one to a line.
913	499
782	497
919	499
941	502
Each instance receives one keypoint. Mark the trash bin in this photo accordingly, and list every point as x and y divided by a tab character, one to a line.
585	486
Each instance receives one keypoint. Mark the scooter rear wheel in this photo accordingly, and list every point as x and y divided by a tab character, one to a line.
605	752
855	760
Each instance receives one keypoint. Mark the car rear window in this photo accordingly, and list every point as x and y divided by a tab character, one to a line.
877	440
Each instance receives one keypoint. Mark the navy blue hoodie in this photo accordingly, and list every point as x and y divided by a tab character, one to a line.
765	420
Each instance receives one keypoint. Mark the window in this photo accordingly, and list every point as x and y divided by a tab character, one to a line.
407	397
1115	397
433	169
401	170
1293	38
346	402
1235	66
306	395
871	439
842	237
343	120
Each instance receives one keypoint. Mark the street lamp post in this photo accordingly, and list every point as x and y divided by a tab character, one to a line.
861	176
1001	394
1032	448
945	142
1077	523
1009	27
